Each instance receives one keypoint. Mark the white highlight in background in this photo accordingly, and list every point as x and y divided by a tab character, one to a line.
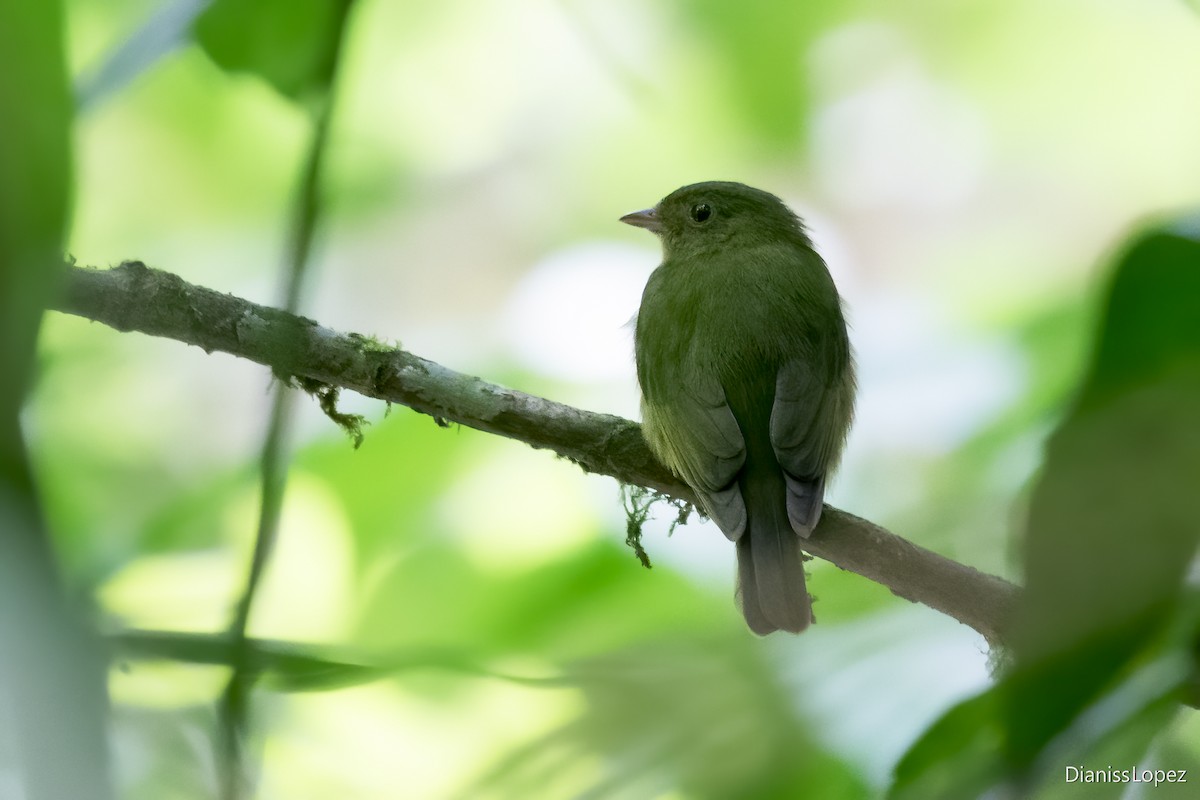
568	317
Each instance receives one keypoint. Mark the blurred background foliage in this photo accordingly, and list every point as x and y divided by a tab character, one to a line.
971	172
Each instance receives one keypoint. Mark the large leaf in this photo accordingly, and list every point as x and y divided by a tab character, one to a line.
50	673
1104	636
956	757
963	754
35	172
1115	518
287	43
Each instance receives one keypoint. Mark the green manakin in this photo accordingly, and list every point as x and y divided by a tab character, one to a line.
747	379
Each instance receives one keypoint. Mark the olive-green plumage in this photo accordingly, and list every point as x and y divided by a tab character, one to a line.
747	379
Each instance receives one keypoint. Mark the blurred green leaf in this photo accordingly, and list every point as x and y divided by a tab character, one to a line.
193	516
760	47
706	717
387	486
421	588
1178	750
288	43
35	176
963	755
1103	639
583	603
958	756
1151	322
1115	518
1116	733
53	725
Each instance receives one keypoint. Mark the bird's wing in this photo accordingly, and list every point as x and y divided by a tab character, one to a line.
807	426
706	448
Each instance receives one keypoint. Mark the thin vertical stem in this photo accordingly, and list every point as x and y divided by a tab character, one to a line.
234	706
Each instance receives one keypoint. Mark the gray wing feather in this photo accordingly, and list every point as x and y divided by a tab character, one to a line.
808	422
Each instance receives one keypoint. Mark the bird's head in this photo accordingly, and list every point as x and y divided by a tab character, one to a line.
707	216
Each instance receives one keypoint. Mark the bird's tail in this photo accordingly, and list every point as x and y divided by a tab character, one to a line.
771	587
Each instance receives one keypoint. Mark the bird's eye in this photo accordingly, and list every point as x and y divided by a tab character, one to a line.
701	212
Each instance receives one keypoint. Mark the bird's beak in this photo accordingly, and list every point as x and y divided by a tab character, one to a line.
647	219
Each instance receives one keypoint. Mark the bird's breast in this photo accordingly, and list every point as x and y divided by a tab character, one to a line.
739	314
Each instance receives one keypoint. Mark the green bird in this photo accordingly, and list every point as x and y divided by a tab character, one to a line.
747	379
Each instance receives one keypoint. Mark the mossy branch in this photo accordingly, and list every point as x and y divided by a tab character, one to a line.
133	297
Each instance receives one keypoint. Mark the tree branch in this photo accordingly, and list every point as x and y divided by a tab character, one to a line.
135	297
